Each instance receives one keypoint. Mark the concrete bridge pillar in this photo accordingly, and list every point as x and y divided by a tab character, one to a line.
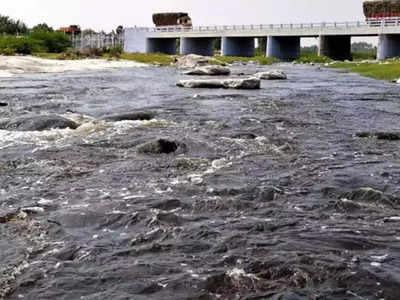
166	46
283	47
200	46
337	47
388	46
238	46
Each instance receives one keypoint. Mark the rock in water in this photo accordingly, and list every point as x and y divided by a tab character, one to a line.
209	70
3	104
131	116
368	195
271	75
201	83
159	146
380	135
38	123
246	83
193	61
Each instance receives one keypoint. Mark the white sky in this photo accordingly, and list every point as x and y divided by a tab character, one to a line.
107	14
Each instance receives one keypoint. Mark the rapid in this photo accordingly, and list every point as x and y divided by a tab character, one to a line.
288	192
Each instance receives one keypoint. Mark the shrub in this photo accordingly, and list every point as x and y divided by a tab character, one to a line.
54	42
10	45
113	52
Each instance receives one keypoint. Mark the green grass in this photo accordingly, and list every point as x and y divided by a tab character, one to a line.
363	55
46	55
154	58
389	70
313	58
259	59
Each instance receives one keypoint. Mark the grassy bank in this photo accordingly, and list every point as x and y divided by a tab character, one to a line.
313	58
262	60
388	70
154	59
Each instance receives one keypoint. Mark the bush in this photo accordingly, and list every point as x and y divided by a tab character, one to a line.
10	45
113	52
54	42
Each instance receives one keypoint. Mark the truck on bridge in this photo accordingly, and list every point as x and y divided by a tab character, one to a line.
179	19
377	10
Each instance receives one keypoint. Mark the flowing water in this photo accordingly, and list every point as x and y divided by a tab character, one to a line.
270	195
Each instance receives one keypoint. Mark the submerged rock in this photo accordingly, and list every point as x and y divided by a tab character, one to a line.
380	135
209	70
244	136
368	195
160	146
233	83
271	75
38	123
131	116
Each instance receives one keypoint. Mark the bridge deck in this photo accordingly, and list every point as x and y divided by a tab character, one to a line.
373	28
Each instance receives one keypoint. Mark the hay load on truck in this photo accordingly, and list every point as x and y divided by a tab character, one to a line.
71	30
377	10
179	19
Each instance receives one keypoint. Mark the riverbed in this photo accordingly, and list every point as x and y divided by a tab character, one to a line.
280	193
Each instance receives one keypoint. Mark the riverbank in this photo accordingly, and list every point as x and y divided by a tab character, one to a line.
17	65
386	70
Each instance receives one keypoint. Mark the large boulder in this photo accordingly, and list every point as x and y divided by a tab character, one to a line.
271	75
232	83
131	116
38	123
193	61
209	70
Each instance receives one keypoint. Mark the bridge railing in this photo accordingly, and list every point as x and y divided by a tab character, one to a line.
369	23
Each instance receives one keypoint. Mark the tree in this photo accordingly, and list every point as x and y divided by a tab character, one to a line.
119	29
10	26
88	32
361	47
43	27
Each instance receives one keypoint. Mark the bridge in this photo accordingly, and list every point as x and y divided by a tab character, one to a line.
283	39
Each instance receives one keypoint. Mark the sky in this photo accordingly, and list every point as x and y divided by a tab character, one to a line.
107	15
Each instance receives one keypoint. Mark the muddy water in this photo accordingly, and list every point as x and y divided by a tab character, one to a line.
273	195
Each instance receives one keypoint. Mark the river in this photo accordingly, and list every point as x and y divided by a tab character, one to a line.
279	193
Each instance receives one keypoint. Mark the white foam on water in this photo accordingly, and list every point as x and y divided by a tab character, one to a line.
89	130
